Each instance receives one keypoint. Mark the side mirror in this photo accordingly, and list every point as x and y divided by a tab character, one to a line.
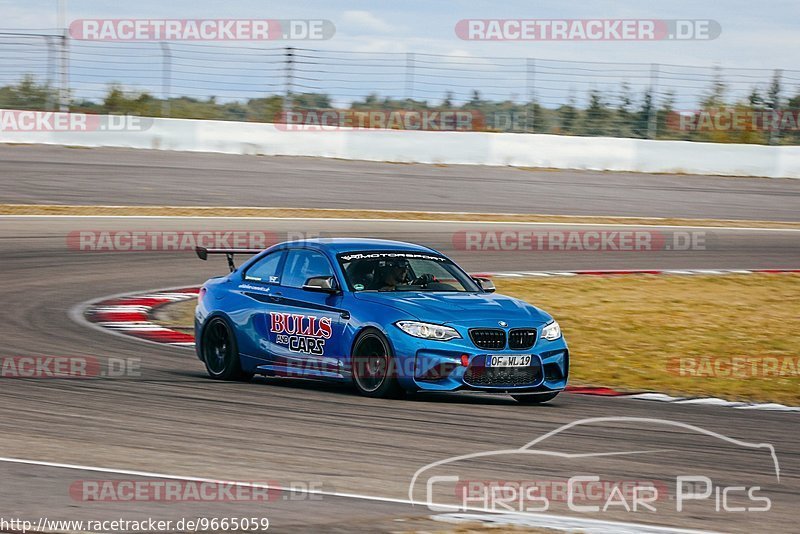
324	284
485	284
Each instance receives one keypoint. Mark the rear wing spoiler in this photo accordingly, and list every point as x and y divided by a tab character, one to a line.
203	253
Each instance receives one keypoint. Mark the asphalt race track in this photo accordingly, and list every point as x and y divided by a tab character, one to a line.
172	420
57	175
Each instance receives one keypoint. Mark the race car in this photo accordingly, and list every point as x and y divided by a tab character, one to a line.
388	316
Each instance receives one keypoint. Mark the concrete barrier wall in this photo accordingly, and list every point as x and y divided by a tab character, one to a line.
475	148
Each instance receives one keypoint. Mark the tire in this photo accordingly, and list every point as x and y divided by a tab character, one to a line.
373	366
535	399
220	352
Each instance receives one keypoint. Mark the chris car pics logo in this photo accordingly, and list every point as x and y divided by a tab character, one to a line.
569	483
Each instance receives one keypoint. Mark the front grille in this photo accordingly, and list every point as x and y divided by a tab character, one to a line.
504	376
522	338
488	338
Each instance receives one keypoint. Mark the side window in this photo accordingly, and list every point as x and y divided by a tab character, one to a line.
266	269
302	264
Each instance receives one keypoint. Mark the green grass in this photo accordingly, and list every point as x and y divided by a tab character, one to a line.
624	331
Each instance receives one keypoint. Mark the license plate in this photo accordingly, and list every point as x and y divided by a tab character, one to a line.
509	360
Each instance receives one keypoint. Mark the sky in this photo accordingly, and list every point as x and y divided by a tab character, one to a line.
754	34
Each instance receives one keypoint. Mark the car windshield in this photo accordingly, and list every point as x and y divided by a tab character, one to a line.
403	271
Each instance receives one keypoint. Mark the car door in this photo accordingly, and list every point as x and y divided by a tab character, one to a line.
308	334
259	288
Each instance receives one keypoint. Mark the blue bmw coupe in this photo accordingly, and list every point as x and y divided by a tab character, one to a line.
385	315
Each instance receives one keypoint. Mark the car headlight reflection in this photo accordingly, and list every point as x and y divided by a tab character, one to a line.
436	332
551	331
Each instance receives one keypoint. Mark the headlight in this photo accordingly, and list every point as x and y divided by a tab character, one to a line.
428	331
551	331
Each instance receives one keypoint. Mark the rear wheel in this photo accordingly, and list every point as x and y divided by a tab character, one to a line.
220	353
535	399
373	366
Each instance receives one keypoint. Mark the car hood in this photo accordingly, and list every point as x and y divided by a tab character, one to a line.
468	309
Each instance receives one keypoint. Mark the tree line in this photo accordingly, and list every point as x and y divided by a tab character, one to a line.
761	118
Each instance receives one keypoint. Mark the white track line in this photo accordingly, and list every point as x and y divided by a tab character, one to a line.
552	521
425	221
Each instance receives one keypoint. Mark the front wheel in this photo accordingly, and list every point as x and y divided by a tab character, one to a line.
220	353
373	366
535	399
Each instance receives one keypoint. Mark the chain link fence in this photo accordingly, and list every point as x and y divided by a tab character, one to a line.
260	83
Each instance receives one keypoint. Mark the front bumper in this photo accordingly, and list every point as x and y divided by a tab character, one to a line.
439	366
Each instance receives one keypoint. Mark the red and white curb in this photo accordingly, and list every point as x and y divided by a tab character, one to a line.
523	274
132	315
663	397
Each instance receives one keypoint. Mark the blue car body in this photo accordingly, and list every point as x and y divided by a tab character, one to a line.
327	324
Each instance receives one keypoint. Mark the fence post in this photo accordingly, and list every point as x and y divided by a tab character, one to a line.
289	74
652	119
51	72
530	86
166	78
63	96
775	108
410	76
64	86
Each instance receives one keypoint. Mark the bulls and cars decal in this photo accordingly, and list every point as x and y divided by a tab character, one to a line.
305	334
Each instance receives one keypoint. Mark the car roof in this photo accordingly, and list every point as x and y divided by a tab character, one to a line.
338	245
